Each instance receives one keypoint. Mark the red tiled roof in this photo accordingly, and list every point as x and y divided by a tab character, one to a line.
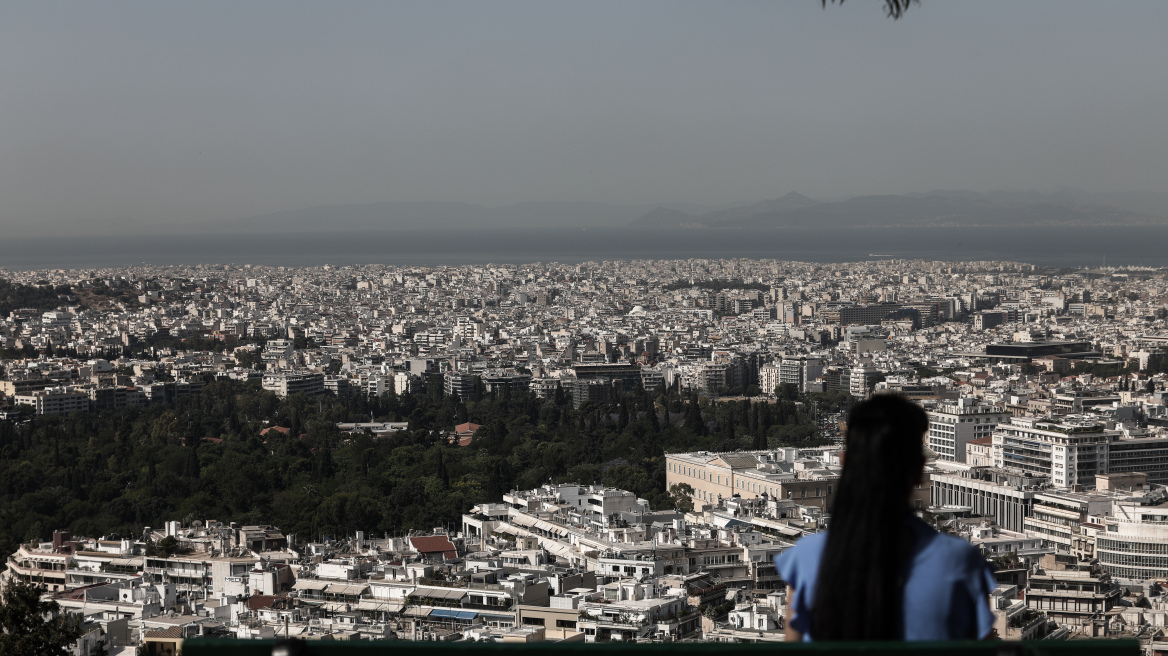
257	602
279	429
433	544
466	428
982	441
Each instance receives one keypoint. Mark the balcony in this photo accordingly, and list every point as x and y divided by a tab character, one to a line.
34	573
1023	625
610	622
179	573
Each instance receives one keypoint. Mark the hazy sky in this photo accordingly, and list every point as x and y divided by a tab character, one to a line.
169	111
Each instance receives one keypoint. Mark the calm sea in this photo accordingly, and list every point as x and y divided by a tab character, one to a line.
1058	246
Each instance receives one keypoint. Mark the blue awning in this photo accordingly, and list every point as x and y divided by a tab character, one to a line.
454	614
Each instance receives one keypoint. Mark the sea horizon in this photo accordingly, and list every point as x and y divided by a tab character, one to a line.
1061	246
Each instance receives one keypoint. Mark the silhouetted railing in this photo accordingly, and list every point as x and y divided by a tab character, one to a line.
214	647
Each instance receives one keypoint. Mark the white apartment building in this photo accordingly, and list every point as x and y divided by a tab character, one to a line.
768	377
953	424
800	370
402	383
1076	448
286	384
1057	514
457	383
858	380
604	502
1133	544
278	349
652	379
1134	451
375	386
1007	497
55	400
469	329
57	319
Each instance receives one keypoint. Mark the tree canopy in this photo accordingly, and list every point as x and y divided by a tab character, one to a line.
207	457
29	625
14	296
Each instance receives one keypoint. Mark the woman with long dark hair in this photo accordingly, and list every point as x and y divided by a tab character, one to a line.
878	572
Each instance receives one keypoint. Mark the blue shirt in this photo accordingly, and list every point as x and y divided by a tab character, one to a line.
946	592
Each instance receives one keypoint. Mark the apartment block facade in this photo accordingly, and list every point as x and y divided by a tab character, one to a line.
954	424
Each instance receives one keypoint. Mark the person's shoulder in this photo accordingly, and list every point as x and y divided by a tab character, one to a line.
954	545
807	549
810	543
951	548
806	545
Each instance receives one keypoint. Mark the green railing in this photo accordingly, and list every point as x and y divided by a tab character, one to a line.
214	647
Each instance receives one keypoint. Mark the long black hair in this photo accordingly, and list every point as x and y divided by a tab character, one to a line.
859	590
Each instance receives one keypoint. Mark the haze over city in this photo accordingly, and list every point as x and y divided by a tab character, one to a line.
555	324
121	117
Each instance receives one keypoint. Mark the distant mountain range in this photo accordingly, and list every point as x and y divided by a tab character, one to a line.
382	216
936	208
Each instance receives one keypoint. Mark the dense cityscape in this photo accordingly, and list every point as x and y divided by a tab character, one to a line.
823	327
594	452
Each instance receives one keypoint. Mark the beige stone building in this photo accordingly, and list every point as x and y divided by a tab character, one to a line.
803	475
